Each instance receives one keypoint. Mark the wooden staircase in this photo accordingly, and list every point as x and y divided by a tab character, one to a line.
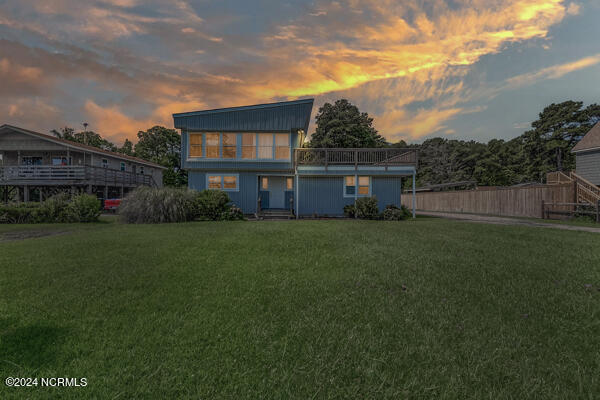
587	192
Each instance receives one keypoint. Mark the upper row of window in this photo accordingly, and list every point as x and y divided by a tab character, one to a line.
253	145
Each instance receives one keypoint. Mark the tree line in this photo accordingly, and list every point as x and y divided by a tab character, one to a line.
544	148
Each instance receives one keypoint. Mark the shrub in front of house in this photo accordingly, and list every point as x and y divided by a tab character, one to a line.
147	205
215	205
366	208
56	209
349	210
394	213
83	208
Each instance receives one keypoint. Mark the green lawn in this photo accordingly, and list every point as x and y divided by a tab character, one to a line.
429	308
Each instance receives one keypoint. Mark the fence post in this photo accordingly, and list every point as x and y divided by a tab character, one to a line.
543	210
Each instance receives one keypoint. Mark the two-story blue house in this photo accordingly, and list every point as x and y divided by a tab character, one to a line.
255	154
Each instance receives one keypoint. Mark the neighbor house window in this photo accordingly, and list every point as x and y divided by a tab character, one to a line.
229	145
264	183
214	182
265	145
282	146
349	186
122	166
223	182
142	170
212	145
195	145
104	163
364	185
61	161
249	146
31	160
289	183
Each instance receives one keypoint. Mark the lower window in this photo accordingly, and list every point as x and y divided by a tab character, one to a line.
222	182
360	188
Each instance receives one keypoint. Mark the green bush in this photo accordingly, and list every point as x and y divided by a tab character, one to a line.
20	213
212	204
54	208
366	208
158	205
232	214
349	210
83	208
394	213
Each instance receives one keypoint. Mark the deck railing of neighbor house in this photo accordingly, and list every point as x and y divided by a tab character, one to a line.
72	174
377	157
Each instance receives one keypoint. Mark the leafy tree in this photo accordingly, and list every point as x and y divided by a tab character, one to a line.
342	125
127	148
163	146
89	138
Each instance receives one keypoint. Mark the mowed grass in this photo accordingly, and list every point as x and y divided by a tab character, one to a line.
429	308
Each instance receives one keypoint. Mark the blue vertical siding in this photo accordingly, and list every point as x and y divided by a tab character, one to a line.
245	198
322	196
387	190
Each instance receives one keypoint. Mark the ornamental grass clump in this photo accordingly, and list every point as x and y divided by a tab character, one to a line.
147	205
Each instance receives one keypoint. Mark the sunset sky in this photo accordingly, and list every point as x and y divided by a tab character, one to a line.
467	69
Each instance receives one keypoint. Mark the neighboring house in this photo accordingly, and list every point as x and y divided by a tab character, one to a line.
587	155
39	165
254	153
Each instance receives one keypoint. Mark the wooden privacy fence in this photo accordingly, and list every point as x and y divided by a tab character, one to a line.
512	201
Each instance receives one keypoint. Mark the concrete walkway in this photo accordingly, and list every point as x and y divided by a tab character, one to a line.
506	221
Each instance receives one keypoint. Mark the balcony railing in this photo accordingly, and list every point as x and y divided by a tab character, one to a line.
71	174
375	157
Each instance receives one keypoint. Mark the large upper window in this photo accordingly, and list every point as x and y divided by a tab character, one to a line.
196	145
249	146
212	145
265	145
229	145
282	146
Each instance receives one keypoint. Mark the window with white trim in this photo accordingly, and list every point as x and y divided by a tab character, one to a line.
282	146
360	188
249	146
195	144
104	163
223	182
212	145
229	145
265	145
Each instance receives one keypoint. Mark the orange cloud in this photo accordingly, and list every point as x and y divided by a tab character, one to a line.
553	72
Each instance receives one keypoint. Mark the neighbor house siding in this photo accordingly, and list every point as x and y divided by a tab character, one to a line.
588	165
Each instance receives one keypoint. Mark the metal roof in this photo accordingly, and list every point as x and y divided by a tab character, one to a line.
273	117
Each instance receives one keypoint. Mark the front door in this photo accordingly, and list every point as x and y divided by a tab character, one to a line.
272	192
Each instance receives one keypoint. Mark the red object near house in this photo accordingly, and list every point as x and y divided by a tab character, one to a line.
112	204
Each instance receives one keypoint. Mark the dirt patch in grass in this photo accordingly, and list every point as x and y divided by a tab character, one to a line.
22	235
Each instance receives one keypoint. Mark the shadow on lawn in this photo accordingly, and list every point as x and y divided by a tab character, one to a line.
29	347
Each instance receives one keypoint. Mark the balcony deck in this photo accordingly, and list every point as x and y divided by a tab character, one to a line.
69	175
365	159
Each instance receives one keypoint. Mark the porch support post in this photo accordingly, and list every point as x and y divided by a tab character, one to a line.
121	191
414	195
297	194
25	194
355	192
105	192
